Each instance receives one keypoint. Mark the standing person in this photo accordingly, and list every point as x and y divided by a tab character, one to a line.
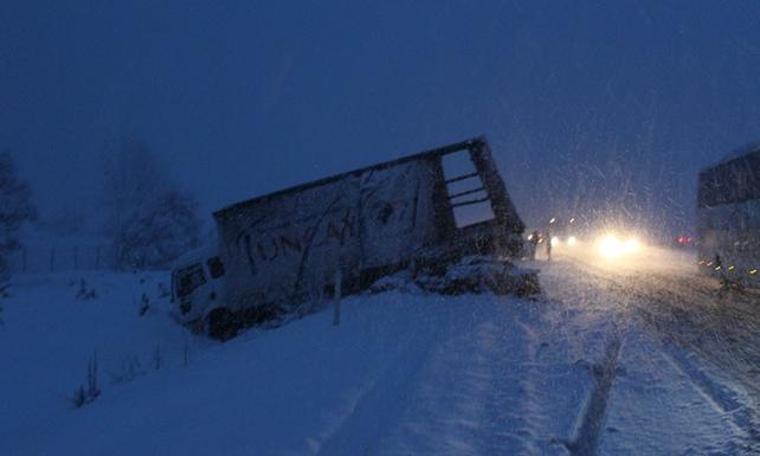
534	238
549	238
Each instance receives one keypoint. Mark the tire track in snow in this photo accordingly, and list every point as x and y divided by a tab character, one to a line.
722	399
525	410
470	399
512	404
487	388
738	412
378	405
687	308
728	403
591	421
667	325
679	315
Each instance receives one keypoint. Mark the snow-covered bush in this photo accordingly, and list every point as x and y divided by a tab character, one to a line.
16	208
144	305
473	274
84	396
401	281
85	292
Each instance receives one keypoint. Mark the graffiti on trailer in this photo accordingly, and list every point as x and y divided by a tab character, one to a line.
265	245
340	226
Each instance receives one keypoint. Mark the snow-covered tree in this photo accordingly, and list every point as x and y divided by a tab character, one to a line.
16	208
158	231
132	175
149	221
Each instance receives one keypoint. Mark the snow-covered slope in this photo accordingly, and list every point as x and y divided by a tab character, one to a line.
48	335
402	374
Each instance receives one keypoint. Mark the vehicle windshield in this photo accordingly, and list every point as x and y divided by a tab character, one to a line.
188	279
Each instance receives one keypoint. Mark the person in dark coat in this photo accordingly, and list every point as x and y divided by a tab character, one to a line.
534	238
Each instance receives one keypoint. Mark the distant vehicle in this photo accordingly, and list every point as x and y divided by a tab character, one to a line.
280	250
728	217
564	231
684	241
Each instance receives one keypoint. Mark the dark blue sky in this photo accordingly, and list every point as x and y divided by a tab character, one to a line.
587	104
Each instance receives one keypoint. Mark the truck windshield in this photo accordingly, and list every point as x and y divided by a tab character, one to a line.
215	267
189	278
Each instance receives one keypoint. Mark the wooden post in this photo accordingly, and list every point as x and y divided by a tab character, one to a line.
338	296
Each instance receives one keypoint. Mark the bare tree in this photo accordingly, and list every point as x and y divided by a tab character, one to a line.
16	208
158	232
131	176
149	221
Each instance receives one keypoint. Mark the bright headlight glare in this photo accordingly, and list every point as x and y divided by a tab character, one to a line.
610	246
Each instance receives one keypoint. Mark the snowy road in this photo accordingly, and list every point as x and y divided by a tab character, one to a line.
711	337
674	301
614	361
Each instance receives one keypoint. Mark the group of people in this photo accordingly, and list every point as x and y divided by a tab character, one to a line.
535	239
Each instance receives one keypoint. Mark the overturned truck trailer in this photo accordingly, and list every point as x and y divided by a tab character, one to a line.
284	249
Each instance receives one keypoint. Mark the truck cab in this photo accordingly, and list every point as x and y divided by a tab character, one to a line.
197	284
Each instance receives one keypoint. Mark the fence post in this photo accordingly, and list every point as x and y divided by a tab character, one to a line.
338	296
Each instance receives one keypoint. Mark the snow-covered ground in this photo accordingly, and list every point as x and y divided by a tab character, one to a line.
686	357
404	373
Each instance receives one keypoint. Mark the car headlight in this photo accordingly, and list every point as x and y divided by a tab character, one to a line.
611	246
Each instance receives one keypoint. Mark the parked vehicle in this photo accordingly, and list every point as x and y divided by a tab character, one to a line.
684	241
728	217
